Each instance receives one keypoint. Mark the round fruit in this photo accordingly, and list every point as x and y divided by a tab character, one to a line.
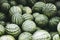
27	17
2	16
2	30
41	35
15	10
35	14
17	19
29	26
3	1
13	3
2	23
41	20
13	29
5	6
49	9
27	10
56	37
54	22
25	36
38	6
7	37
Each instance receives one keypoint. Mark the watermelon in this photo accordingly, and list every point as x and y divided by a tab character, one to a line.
49	10
17	19
25	36
29	26
7	37
27	17
13	29
15	10
41	35
41	20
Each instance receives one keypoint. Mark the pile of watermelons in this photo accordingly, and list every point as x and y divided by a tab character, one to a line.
29	19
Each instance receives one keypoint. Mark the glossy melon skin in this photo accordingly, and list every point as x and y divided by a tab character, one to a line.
49	10
41	35
17	19
7	37
27	10
29	26
25	36
15	10
54	22
2	30
41	20
13	29
38	6
27	17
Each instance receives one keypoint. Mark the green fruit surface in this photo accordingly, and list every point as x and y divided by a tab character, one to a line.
41	20
49	9
7	37
17	19
41	35
29	26
25	36
13	29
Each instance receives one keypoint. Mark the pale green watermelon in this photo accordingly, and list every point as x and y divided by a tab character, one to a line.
13	29
25	36
29	26
7	37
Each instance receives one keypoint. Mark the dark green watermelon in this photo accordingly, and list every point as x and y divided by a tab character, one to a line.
5	7
53	23
49	10
3	1
41	20
38	7
12	3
